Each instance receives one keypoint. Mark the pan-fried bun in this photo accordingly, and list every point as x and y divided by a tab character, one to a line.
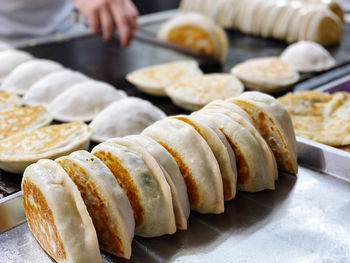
196	161
222	105
105	200
275	125
10	59
268	154
49	87
158	174
124	117
197	32
148	192
84	100
308	56
325	28
227	162
56	214
23	76
255	170
172	174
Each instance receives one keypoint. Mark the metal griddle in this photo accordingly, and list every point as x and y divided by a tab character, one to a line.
306	219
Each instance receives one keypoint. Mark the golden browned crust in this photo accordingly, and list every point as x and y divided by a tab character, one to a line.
15	119
337	9
320	116
124	179
108	235
329	31
188	121
307	102
192	190
265	68
180	34
4	96
266	129
228	191
49	137
40	220
242	164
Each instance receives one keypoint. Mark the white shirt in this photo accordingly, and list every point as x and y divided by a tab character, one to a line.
34	17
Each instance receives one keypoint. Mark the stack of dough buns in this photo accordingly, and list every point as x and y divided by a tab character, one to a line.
288	20
147	184
51	92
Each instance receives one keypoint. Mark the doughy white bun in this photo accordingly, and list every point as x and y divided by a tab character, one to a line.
274	123
142	179
124	117
57	215
49	87
196	161
225	157
308	56
5	46
83	101
26	74
256	170
10	59
105	200
172	174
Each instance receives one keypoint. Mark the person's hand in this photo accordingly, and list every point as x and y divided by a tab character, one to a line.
107	15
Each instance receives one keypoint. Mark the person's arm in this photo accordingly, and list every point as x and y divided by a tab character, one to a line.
107	15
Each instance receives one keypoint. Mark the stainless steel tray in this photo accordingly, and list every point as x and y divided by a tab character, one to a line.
324	158
11	211
340	84
306	219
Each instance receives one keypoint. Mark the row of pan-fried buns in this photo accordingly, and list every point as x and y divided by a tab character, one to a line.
147	184
291	20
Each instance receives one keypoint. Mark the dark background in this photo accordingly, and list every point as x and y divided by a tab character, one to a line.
150	6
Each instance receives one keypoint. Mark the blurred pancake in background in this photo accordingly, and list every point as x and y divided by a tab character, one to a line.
18	119
196	92
153	80
266	74
24	148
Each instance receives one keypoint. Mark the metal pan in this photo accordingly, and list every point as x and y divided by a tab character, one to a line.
306	219
11	212
324	158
